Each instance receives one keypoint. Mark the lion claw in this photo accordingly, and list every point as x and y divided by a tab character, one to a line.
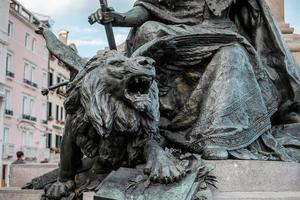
58	190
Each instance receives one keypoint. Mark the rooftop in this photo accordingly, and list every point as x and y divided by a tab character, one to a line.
36	19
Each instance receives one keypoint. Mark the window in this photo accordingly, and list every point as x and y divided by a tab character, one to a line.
25	108
45	52
44	80
57	79
50	78
32	108
58	140
7	105
6	135
43	141
28	106
33	44
49	109
49	140
8	62
10	29
61	113
29	71
33	67
27	138
27	40
57	113
44	112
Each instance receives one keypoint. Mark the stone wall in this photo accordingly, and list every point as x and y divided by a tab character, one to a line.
22	174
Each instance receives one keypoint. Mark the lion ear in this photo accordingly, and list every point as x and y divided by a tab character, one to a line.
99	106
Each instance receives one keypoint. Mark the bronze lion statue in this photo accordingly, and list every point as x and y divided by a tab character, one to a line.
113	118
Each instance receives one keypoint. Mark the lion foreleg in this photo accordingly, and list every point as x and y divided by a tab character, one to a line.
159	166
70	158
70	161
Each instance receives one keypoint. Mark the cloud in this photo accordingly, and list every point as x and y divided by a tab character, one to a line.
120	38
87	42
67	7
55	7
81	29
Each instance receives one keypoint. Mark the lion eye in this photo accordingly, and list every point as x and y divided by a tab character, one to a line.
115	62
115	72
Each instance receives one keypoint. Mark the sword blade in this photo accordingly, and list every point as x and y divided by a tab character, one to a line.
108	28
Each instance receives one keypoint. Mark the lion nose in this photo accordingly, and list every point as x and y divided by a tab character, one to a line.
143	62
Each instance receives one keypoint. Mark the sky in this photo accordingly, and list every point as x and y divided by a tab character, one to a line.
72	15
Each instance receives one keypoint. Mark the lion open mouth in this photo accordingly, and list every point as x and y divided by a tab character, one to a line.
137	91
139	85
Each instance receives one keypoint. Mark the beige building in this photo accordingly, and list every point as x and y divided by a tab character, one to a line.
58	73
293	40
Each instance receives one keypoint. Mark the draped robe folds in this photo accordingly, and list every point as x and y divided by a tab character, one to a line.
224	82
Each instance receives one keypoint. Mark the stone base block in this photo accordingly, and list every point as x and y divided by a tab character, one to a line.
89	196
257	196
18	194
22	174
238	180
256	176
14	193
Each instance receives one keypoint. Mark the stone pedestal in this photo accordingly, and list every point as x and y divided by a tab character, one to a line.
256	180
237	180
116	187
293	40
18	194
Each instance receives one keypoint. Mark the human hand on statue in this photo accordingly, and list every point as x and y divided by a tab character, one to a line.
105	17
59	189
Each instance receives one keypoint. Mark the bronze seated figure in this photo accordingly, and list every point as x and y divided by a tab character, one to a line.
226	86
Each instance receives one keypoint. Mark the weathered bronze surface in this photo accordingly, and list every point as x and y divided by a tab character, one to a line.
116	183
224	86
227	80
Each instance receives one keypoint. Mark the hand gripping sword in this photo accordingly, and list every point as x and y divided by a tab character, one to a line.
108	27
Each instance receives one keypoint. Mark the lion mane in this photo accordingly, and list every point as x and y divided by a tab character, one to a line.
96	96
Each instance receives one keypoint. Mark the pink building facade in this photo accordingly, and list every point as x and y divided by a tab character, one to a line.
4	4
26	70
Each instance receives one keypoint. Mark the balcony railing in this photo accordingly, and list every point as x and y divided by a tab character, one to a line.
28	82
44	154
28	117
9	112
50	118
10	74
30	152
8	150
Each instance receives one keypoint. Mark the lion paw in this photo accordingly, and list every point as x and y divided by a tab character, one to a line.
58	190
164	170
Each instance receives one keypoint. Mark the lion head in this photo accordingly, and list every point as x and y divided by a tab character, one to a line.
117	93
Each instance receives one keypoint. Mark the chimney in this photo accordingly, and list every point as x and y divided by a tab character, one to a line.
63	36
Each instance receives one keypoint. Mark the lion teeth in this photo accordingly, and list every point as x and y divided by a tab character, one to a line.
136	80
